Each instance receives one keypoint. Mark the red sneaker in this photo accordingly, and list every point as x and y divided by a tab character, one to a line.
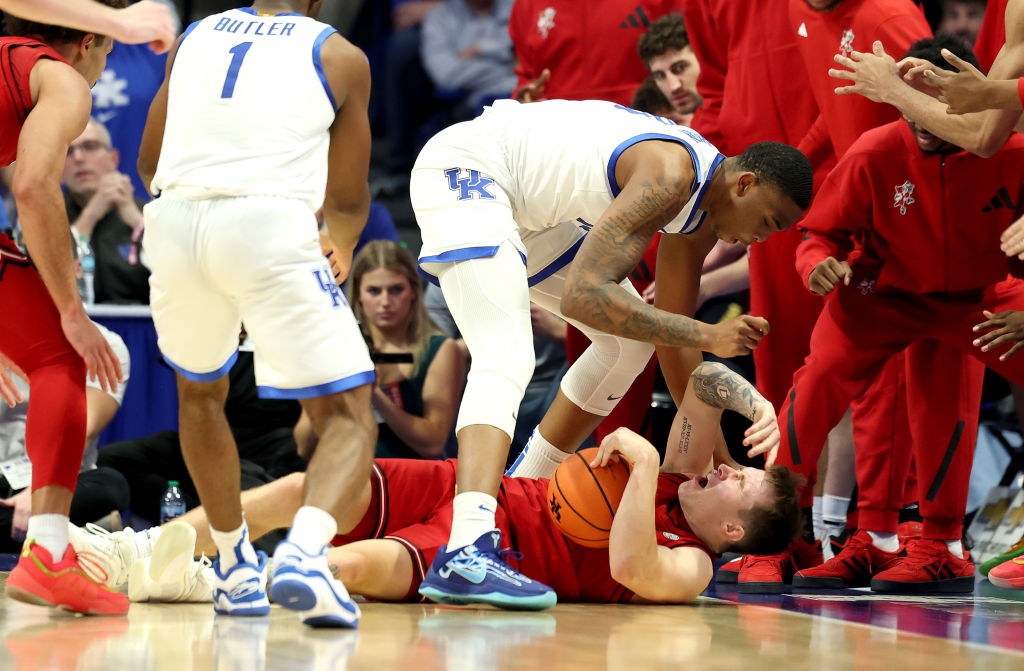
40	580
768	574
1009	574
854	566
729	571
928	568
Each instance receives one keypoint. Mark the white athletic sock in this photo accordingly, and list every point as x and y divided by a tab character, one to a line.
233	547
956	548
472	518
50	531
816	521
889	542
539	458
312	529
833	510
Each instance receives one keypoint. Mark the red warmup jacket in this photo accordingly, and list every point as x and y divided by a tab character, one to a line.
853	25
589	47
18	55
992	35
750	76
931	223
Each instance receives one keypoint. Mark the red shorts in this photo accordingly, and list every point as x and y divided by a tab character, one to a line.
420	517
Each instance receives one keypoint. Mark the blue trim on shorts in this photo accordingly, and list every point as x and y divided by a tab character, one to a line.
204	377
556	265
344	384
318	64
453	255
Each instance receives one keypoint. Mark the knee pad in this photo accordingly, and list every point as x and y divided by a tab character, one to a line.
490	302
605	371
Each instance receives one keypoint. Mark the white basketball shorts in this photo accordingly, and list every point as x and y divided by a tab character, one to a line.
217	263
461	191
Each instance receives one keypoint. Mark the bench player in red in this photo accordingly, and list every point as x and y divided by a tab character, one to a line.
46	334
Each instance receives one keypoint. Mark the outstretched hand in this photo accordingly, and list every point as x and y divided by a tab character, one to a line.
9	392
737	336
873	74
1012	239
535	90
964	90
763	436
146	23
1003	328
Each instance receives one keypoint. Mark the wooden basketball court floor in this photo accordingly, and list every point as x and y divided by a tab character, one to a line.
852	629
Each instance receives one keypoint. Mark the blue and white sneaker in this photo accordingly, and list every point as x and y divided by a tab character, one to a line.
478	573
243	590
304	583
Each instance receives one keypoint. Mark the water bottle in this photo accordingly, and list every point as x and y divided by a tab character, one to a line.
86	286
172	504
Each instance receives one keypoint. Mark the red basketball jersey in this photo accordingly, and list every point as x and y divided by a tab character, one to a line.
578	573
18	55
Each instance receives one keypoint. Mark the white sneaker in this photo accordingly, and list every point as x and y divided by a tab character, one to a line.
171	574
304	583
243	589
107	556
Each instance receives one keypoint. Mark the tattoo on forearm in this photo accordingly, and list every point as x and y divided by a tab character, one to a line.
684	436
612	251
720	387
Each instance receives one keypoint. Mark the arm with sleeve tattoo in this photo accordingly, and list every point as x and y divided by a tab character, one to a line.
650	198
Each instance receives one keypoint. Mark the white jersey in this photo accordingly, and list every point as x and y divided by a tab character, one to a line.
248	110
561	158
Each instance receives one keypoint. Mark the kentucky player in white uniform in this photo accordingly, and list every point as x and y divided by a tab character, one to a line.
260	121
555	202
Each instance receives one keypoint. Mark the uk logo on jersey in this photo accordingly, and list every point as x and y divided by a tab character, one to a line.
846	43
474	184
330	287
904	196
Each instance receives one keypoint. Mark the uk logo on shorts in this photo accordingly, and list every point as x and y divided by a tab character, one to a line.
468	187
330	287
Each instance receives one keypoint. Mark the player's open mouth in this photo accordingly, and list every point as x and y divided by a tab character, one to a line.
703	482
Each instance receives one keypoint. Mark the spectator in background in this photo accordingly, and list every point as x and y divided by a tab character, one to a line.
121	98
665	50
466	47
408	95
961	19
414	402
105	214
554	42
649	98
98	492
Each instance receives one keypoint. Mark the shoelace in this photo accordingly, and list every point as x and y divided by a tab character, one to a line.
918	554
104	558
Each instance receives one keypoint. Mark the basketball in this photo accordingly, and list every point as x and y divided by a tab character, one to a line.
582	500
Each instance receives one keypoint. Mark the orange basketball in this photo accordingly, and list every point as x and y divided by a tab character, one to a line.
582	500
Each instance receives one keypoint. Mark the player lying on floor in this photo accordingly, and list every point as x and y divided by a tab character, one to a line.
669	526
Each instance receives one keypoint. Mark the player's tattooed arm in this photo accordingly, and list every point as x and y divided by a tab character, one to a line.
611	250
718	386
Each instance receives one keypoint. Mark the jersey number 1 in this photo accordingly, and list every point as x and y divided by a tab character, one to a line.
238	53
